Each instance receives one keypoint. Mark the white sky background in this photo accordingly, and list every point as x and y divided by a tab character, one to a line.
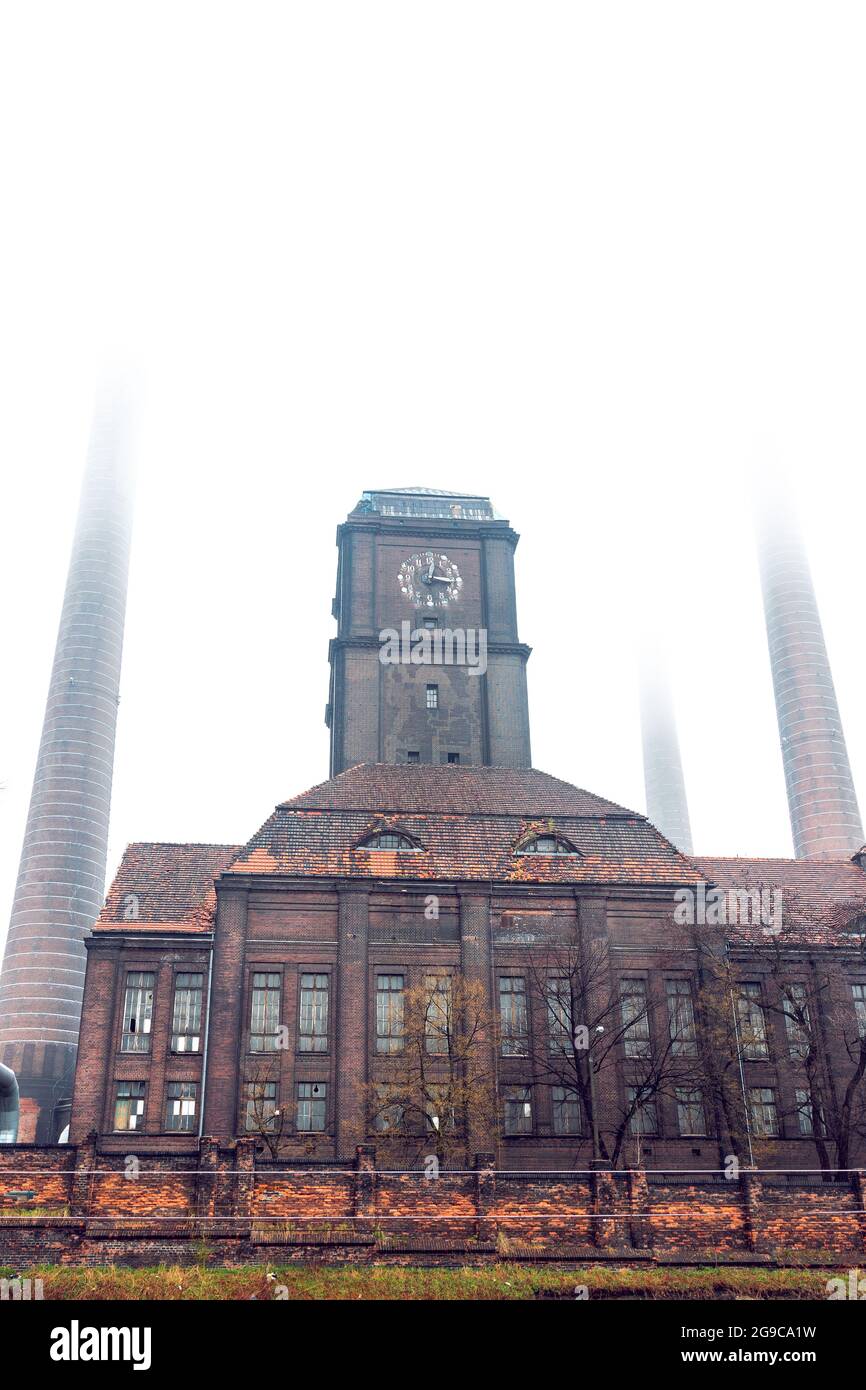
596	260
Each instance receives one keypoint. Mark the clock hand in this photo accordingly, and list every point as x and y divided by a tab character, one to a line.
439	579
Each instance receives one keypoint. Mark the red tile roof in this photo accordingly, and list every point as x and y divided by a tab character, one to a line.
467	822
173	885
474	791
819	897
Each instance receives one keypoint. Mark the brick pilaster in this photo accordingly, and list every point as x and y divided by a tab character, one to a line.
82	1177
485	1195
350	1032
475	965
206	1177
245	1176
752	1192
225	1027
639	1206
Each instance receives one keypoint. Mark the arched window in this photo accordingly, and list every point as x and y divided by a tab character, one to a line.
388	839
547	844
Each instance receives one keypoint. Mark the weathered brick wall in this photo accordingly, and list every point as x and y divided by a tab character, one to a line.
543	1210
810	1213
305	1197
701	1213
270	1211
46	1173
408	1204
162	1186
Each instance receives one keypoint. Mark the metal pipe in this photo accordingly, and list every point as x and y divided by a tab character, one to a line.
8	1106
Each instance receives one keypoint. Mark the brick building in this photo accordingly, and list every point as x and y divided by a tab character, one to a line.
633	1003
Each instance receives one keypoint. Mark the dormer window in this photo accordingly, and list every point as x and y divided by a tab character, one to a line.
547	844
388	839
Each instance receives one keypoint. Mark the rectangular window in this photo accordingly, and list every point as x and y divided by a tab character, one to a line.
517	1104
559	1013
681	1018
413	757
129	1105
795	1005
265	1011
137	1011
260	1105
635	1018
388	1114
566	1111
454	758
513	1016
751	1022
432	697
765	1117
858	993
311	1107
439	1109
437	1018
644	1118
313	1024
186	1013
690	1111
806	1113
180	1105
389	1013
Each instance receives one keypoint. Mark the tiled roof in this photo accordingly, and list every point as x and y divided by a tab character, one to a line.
173	886
819	897
474	791
467	823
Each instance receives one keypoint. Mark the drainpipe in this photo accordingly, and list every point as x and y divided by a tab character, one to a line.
8	1106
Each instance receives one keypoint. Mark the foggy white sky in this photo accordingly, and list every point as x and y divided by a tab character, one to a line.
596	260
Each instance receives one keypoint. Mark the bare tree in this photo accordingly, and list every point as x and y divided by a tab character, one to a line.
598	1026
263	1115
435	1094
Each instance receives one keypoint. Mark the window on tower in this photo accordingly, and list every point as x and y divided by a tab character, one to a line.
432	697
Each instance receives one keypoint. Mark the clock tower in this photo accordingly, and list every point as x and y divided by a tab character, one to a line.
426	665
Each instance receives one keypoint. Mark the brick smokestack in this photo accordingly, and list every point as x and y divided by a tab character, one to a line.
61	879
667	806
825	818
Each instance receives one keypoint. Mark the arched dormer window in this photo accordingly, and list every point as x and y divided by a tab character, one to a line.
388	839
547	844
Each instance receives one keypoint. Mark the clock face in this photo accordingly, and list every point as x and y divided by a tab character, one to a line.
429	579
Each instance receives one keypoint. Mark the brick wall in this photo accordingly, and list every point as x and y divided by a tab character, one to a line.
93	1208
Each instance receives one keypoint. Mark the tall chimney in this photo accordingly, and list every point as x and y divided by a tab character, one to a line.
825	819
61	878
666	803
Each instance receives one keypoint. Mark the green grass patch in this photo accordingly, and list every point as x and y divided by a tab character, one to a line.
502	1282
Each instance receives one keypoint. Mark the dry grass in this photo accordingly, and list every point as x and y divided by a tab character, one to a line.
379	1283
